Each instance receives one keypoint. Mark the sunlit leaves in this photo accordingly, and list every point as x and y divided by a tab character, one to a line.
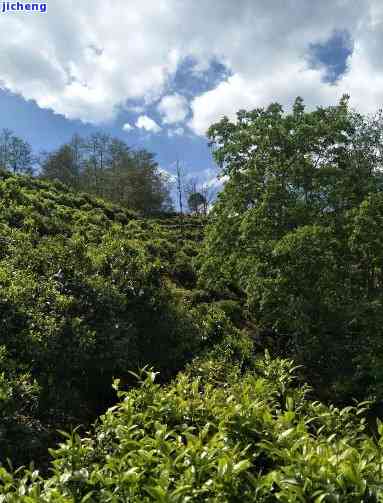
251	440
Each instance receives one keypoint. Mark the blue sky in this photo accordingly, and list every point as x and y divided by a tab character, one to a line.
158	74
332	55
45	130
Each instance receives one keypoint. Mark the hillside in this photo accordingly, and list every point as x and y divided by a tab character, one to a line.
88	291
90	294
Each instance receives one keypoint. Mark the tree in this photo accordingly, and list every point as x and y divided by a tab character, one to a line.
209	195
98	149
77	146
199	196
15	153
5	139
180	189
196	202
61	165
146	189
284	233
108	168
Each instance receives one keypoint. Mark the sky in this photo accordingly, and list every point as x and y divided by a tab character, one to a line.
158	73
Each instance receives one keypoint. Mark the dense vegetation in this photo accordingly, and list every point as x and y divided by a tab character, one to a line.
298	230
216	311
83	298
251	437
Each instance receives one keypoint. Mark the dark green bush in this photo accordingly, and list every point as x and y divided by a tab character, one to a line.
233	310
84	312
83	299
183	270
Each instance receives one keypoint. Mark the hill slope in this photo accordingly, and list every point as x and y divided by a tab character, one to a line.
90	292
86	294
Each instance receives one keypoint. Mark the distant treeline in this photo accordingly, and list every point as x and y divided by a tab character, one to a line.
99	164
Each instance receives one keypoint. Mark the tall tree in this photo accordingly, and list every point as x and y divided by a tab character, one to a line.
5	140
199	196
63	166
286	226
98	149
108	168
196	202
180	188
15	153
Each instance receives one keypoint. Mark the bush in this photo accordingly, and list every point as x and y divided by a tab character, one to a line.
183	270
83	313
255	438
82	300
233	310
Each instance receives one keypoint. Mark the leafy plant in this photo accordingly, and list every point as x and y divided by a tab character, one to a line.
254	438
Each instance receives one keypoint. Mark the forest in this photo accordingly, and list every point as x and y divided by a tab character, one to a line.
229	353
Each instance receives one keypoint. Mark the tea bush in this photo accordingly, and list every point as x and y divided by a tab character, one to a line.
84	297
255	437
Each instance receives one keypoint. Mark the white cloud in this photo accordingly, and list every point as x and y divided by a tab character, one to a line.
171	178
238	92
174	108
127	127
179	131
216	183
279	71
145	122
88	60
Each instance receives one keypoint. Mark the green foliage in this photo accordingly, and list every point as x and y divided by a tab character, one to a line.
15	153
83	299
90	291
62	166
108	168
298	231
232	309
196	201
21	432
183	270
253	438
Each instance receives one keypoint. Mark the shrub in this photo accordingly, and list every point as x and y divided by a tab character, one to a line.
233	310
83	299
255	438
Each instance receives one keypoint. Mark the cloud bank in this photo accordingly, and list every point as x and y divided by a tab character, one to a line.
89	60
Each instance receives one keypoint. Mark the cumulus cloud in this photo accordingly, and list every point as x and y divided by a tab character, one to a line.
127	127
89	64
280	70
174	108
179	131
145	122
51	58
170	177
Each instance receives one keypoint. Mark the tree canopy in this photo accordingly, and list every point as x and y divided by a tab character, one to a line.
107	167
15	153
297	229
196	202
